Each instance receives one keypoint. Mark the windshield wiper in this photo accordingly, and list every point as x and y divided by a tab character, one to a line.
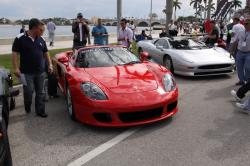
132	62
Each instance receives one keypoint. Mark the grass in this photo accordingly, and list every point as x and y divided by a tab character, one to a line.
6	61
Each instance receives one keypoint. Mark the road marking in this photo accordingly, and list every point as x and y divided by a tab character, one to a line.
102	148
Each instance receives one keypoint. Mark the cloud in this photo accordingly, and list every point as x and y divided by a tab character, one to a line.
17	9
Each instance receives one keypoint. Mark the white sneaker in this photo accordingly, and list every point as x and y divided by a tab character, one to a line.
234	94
240	105
242	108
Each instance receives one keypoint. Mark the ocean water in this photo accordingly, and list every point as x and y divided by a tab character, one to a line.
11	31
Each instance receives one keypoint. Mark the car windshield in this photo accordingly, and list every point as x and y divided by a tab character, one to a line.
105	57
187	44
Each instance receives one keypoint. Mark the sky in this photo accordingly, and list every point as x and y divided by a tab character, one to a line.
26	9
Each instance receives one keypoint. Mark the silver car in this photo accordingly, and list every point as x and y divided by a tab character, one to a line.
185	56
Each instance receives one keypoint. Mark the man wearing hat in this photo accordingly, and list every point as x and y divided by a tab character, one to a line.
81	32
243	40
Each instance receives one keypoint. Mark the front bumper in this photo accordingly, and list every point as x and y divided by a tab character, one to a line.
198	71
127	109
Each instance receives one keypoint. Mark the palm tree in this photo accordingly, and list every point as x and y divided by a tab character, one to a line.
176	4
168	11
208	6
196	4
212	7
231	12
236	4
201	9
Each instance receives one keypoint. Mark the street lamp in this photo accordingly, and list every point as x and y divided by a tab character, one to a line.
150	19
119	14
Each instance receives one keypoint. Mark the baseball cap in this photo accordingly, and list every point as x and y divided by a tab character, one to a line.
79	15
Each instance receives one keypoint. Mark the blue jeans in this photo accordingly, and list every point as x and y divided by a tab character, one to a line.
243	65
34	82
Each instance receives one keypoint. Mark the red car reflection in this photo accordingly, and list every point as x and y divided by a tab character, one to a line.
110	86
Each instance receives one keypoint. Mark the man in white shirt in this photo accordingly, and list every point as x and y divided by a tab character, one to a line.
237	29
125	35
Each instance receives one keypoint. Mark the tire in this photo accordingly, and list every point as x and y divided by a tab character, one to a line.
8	158
70	107
168	63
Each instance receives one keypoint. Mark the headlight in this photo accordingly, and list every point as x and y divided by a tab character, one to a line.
92	91
168	82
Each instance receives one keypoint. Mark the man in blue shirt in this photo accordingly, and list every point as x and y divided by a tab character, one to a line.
100	34
33	52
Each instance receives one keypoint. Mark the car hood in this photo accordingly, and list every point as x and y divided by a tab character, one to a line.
125	79
205	56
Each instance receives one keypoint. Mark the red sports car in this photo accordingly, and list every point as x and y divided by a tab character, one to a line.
110	86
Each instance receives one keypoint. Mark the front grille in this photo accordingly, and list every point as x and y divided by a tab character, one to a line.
213	72
140	116
219	66
103	117
171	106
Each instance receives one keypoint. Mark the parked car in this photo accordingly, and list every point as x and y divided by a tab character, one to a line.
184	56
7	102
110	86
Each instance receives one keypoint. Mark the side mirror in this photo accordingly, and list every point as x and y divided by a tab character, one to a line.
159	47
63	60
144	56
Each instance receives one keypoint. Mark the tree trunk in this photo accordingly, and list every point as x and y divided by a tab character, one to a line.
209	9
196	12
175	13
205	13
169	13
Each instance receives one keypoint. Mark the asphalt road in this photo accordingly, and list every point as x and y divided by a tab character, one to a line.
207	131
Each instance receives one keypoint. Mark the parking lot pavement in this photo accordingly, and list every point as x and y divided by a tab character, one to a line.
207	131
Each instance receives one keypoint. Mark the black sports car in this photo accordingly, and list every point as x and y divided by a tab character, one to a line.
7	103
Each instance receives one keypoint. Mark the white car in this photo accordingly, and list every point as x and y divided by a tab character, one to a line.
184	56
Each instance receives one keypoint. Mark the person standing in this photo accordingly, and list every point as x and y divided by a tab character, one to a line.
132	27
229	35
213	35
100	34
125	35
237	27
33	52
173	29
51	27
239	58
163	33
22	30
243	52
81	32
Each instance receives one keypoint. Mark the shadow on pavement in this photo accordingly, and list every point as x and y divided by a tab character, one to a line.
58	128
233	135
